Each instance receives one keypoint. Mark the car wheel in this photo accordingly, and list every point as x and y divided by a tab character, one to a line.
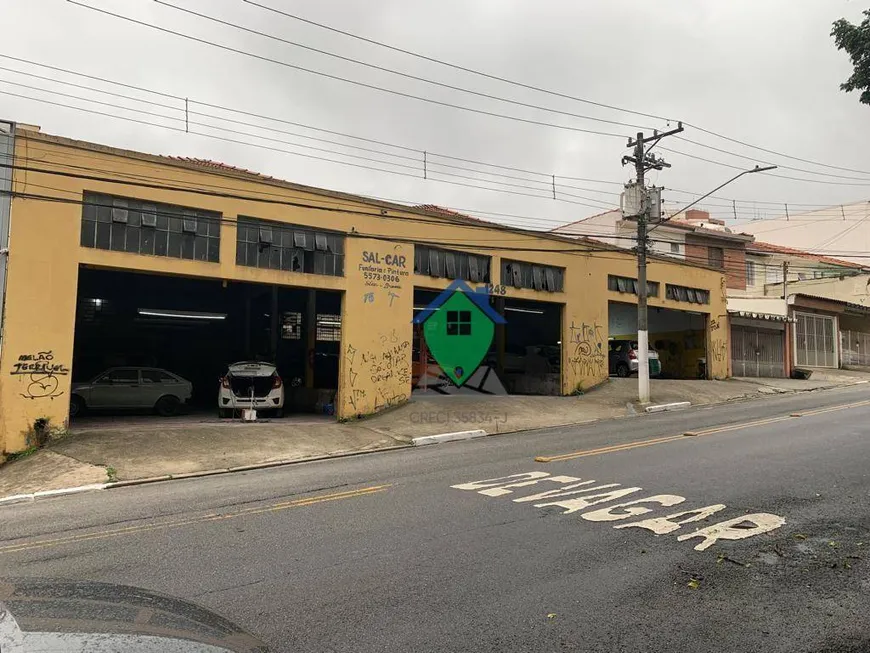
622	371
279	413
76	406
225	413
167	406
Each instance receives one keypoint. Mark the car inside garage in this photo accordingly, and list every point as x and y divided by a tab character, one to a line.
679	338
193	329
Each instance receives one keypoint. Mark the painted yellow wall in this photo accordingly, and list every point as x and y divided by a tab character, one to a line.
376	333
45	256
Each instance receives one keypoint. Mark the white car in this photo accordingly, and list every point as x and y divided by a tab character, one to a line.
251	384
126	388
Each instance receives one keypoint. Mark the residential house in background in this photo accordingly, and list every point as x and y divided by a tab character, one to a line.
692	236
799	309
840	231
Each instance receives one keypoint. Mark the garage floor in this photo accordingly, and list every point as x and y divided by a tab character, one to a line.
148	422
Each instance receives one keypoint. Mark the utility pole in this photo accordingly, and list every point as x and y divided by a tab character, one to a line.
785	281
644	161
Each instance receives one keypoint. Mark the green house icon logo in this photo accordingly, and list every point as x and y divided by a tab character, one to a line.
458	327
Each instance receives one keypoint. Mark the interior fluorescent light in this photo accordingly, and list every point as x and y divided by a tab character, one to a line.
329	324
523	310
184	315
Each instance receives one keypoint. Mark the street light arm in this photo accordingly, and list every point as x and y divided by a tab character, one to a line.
734	178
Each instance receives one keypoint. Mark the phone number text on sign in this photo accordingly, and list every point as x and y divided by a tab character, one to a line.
576	495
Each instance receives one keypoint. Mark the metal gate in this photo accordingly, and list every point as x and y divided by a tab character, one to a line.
815	344
855	346
757	352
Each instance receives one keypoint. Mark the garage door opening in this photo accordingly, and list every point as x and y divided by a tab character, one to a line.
679	338
195	328
524	358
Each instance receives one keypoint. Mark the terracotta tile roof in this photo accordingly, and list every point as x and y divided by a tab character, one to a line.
434	208
779	249
217	165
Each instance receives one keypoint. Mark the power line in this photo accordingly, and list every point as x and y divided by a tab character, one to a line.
418	151
768	174
538	88
458	67
422	219
285	151
391	71
779	165
345	79
762	149
598	252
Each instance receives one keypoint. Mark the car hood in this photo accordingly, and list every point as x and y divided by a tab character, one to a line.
251	368
65	616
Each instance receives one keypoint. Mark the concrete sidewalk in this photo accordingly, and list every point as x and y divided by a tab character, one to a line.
100	450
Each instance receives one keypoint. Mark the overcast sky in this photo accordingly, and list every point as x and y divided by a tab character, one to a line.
761	71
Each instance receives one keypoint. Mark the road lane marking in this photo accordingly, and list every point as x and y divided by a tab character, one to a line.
709	431
610	449
212	517
566	497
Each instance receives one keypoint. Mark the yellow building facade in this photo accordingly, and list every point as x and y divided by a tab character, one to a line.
48	251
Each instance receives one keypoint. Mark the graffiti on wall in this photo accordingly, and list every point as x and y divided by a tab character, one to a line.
379	367
41	372
719	350
587	355
386	368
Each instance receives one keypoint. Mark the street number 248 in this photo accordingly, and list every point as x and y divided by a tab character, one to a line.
496	289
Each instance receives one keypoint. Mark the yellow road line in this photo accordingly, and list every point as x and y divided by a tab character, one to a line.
717	429
830	409
128	530
610	449
743	425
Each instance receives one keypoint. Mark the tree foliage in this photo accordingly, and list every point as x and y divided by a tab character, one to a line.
855	40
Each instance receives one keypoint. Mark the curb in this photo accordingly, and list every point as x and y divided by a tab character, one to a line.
661	408
419	441
246	468
447	437
20	498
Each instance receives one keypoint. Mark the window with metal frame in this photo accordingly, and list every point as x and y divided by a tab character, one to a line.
685	294
328	327
521	274
288	247
629	285
451	264
130	225
750	273
716	257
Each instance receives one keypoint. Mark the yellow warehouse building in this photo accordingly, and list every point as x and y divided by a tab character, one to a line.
112	258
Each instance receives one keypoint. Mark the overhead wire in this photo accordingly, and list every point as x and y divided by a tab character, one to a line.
391	71
546	181
539	88
286	64
285	151
465	242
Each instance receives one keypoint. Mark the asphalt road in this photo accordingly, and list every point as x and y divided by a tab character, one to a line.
381	553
